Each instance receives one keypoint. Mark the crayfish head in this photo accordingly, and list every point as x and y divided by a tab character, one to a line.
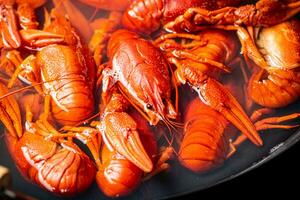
158	107
154	106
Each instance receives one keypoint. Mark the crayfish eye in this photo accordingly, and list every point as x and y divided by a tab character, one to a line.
164	101
149	106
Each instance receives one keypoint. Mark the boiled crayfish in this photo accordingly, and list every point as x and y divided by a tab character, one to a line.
71	89
147	16
207	140
275	81
129	148
41	153
141	73
56	165
275	63
137	85
195	61
118	176
263	13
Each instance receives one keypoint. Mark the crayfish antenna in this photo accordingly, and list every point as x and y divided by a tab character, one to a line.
8	94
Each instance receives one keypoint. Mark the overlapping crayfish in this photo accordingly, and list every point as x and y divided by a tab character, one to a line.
117	85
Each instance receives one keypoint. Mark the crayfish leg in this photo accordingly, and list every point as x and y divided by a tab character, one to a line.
77	19
10	114
103	27
10	60
27	71
273	122
88	136
161	164
34	39
264	124
9	29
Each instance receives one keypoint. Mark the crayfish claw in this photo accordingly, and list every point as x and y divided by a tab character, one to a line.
125	139
219	98
37	38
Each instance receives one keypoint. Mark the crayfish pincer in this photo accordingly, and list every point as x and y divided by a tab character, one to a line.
128	151
118	176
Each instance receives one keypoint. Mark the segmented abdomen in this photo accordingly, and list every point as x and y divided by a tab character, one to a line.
64	170
118	176
76	97
205	143
275	92
144	16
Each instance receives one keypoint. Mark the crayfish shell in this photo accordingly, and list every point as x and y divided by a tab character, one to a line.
63	170
205	143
